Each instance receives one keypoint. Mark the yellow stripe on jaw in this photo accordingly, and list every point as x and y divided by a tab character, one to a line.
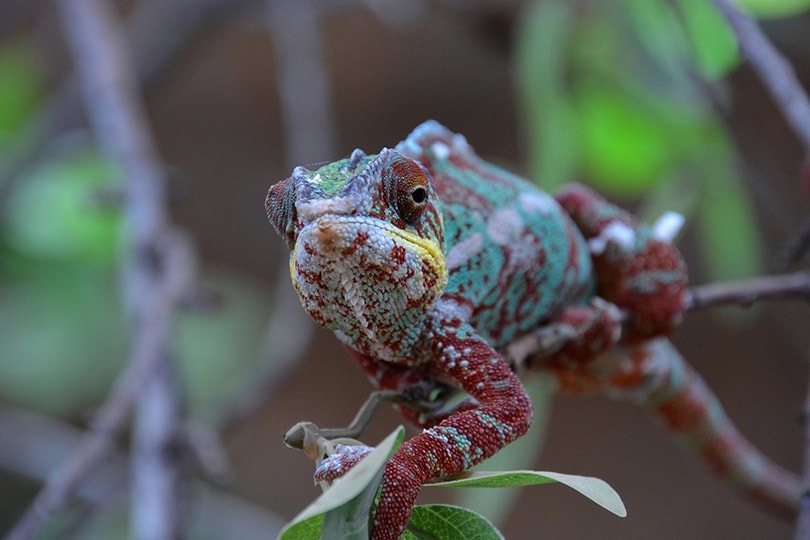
426	250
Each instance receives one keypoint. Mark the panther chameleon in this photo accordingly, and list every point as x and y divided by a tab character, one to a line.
428	262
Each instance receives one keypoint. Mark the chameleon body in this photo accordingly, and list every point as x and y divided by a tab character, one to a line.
428	263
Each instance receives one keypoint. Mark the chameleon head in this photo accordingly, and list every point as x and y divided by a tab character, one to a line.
367	248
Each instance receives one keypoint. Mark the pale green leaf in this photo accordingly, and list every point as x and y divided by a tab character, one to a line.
55	213
595	489
625	145
714	45
731	243
307	529
544	34
365	475
774	8
447	522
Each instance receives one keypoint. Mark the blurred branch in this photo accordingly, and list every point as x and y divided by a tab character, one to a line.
303	80
744	293
32	445
157	32
775	72
154	275
780	79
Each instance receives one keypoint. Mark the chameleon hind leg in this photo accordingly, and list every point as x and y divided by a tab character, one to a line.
654	375
636	266
639	270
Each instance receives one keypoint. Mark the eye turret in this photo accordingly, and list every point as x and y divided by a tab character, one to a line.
409	187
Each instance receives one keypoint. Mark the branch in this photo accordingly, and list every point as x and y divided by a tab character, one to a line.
779	78
744	293
303	80
152	274
118	118
775	72
32	445
532	348
158	32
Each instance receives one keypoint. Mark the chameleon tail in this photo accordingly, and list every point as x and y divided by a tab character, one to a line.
657	377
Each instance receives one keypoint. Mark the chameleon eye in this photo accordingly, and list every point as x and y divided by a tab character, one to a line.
412	198
410	189
419	195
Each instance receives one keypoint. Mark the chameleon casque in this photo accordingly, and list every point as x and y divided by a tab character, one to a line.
428	263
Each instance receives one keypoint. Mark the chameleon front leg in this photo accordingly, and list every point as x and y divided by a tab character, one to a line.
654	375
464	438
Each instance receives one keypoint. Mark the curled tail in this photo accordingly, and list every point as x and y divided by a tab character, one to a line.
656	376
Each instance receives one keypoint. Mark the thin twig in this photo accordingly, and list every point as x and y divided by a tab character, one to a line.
775	72
743	293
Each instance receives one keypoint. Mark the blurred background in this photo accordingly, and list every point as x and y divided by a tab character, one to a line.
648	101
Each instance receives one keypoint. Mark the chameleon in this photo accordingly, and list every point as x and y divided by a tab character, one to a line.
430	264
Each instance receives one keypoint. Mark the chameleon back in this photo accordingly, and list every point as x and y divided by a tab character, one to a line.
513	256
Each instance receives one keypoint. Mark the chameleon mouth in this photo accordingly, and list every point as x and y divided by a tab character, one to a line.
341	236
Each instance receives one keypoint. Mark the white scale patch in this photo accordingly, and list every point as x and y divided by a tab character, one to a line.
668	226
617	233
311	210
464	251
537	202
504	226
440	150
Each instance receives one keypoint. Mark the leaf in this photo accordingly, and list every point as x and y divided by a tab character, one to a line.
657	26
20	89
445	522
308	529
595	489
54	215
714	45
345	495
626	145
773	8
543	38
731	243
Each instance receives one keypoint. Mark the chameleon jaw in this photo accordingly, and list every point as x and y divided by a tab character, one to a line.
367	279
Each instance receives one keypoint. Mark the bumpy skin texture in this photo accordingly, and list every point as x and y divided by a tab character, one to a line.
426	260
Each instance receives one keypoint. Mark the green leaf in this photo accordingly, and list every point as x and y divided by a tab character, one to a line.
774	8
447	522
625	145
731	243
543	37
20	89
595	489
348	519
55	213
657	26
308	529
714	45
